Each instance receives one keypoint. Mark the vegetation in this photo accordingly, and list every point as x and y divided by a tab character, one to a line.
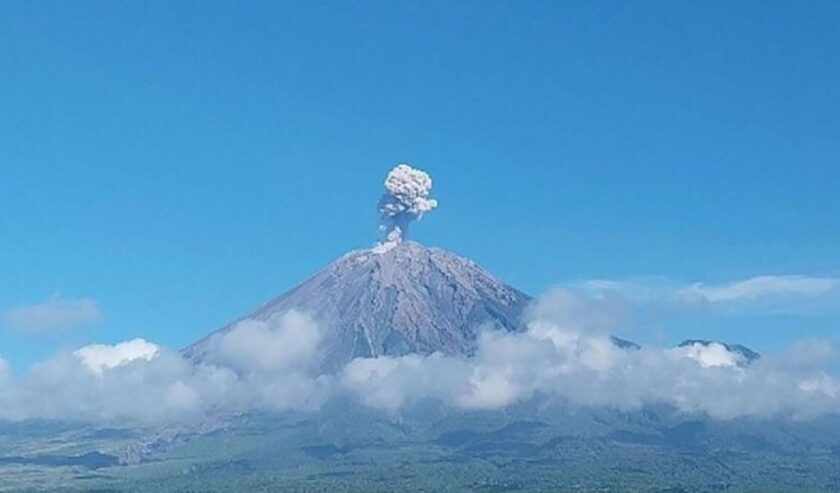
344	448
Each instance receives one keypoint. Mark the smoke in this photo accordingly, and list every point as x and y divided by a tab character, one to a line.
406	199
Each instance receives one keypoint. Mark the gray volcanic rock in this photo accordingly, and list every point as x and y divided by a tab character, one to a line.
396	299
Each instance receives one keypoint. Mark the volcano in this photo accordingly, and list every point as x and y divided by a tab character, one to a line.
395	299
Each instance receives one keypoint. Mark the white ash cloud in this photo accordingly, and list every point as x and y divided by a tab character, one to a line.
406	199
53	314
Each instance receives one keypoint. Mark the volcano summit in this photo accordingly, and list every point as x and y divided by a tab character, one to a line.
399	296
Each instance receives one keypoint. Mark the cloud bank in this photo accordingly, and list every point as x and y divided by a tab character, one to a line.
54	314
566	353
258	365
555	360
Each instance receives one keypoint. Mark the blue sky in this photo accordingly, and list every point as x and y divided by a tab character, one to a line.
180	163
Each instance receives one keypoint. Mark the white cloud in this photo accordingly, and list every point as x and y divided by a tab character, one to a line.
566	309
56	313
763	294
565	354
99	357
280	343
4	371
634	378
709	355
257	365
143	390
561	360
391	383
760	287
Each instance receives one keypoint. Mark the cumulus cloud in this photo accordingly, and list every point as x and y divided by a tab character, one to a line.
406	199
56	313
562	360
259	365
711	354
566	354
391	383
163	388
275	362
283	342
100	357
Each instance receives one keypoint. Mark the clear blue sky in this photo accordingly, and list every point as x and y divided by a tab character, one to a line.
182	162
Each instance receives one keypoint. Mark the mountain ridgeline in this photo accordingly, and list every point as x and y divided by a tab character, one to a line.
403	298
393	300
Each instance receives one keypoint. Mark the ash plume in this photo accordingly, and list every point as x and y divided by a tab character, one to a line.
406	198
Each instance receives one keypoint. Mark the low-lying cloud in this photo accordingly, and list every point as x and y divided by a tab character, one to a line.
100	357
566	353
588	369
284	342
137	382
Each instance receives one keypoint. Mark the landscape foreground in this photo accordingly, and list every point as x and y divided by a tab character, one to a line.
344	447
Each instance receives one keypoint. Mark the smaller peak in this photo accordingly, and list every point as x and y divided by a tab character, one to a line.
692	342
748	354
624	343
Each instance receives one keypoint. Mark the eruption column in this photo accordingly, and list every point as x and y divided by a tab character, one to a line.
406	198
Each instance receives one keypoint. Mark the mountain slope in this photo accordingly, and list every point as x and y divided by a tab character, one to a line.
394	300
